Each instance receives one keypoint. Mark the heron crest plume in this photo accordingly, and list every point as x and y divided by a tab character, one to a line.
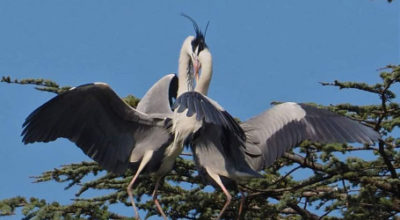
199	41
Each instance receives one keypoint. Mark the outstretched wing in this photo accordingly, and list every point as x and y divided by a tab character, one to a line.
159	98
98	121
286	125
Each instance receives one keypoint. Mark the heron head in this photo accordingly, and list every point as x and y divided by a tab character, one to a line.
198	48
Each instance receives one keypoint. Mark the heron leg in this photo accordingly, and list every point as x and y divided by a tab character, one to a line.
145	160
242	200
156	200
218	180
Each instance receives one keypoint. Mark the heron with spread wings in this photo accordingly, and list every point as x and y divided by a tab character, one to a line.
149	138
146	139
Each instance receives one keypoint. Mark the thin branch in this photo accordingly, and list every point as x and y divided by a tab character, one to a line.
303	212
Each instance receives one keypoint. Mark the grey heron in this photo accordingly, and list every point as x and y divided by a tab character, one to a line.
227	152
225	158
149	138
146	139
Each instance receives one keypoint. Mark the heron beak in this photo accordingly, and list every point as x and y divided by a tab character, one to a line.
196	68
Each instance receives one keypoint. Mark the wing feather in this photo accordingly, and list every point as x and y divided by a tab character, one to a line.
286	125
159	97
98	121
207	110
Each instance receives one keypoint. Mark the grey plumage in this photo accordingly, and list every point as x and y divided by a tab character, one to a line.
270	134
206	110
159	98
108	130
147	139
99	122
227	152
286	125
225	158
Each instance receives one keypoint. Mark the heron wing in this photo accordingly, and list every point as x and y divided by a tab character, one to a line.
159	98
218	146
207	110
286	125
98	121
217	150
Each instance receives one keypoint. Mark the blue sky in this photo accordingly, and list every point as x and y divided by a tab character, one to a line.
262	51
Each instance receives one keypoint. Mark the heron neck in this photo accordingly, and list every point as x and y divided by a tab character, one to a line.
205	77
183	68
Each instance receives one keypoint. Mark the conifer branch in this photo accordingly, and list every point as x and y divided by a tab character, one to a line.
338	180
